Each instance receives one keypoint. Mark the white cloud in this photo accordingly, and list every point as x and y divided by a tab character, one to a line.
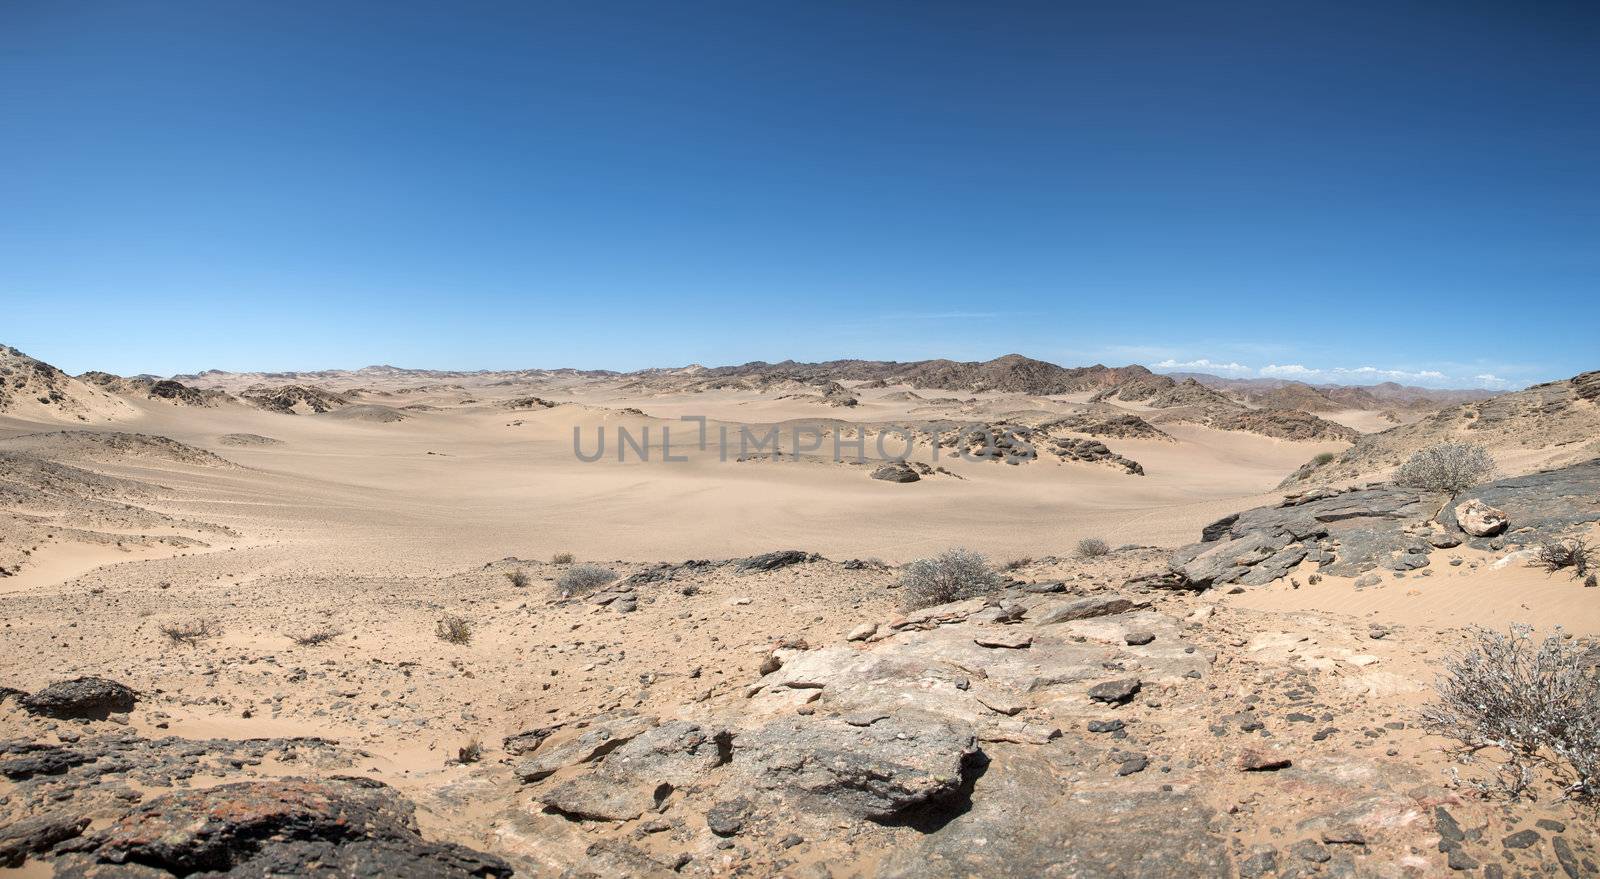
1206	365
1356	375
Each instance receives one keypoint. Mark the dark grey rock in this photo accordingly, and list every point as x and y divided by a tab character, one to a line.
772	561
37	835
88	698
337	826
1116	692
729	816
896	471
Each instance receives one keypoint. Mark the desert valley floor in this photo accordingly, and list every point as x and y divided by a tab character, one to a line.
269	563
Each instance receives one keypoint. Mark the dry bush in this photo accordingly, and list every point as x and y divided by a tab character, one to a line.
518	578
584	578
1535	705
1092	548
1018	564
454	629
313	638
561	558
1323	459
1450	467
1577	554
471	752
949	576
191	631
1591	581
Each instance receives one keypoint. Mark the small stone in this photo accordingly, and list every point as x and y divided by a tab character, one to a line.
862	632
1115	692
1521	839
1253	760
1139	639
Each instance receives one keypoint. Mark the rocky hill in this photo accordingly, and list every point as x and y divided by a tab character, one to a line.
1548	424
34	389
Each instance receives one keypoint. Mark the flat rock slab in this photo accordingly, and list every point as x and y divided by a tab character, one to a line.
1084	608
1003	639
1084	833
875	772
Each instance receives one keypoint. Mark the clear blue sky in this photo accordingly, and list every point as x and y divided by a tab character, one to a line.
1412	188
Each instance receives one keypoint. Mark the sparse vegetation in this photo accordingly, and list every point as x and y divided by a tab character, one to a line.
190	632
1092	547
1450	467
315	637
454	629
1323	459
584	578
561	558
949	576
1533	705
518	578
471	752
1577	554
1591	581
1018	564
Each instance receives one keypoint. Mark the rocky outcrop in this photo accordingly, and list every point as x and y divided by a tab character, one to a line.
1089	451
87	697
896	471
1287	424
338	826
1124	425
1346	533
293	399
1547	502
1354	531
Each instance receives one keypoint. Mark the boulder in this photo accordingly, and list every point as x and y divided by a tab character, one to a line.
876	772
1479	519
896	471
88	698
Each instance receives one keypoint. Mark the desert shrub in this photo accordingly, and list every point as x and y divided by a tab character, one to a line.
313	638
518	578
1323	459
1577	554
1091	548
584	578
949	576
190	631
561	558
471	752
454	629
1018	564
1534	705
1448	467
1591	581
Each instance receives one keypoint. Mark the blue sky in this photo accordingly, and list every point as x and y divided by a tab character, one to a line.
1395	190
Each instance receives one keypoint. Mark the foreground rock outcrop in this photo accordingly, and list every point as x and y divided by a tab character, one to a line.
337	826
1354	531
